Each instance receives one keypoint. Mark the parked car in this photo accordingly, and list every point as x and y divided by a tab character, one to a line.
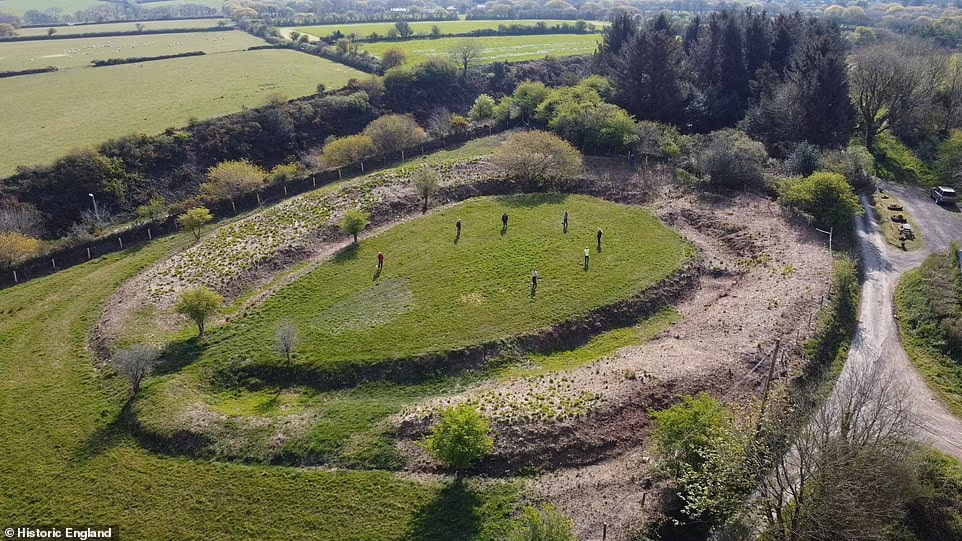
944	194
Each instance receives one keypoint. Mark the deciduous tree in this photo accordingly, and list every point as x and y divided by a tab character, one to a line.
199	304
135	363
425	184
347	150
391	133
195	219
16	247
286	339
232	179
354	221
538	158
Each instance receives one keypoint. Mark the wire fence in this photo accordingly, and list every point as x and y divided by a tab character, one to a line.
139	234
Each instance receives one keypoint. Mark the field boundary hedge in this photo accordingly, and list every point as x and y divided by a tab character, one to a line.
34	71
120	34
138	59
68	257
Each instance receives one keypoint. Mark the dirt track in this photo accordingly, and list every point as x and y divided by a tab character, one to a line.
877	344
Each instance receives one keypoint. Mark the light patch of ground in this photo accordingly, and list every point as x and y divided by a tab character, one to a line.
371	307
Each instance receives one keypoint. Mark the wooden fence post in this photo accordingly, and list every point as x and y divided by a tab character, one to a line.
258	199
53	263
121	241
15	280
314	179
149	236
285	189
88	254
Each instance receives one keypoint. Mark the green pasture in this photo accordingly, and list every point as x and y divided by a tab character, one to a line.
496	48
171	25
66	458
76	53
437	293
43	117
19	7
424	27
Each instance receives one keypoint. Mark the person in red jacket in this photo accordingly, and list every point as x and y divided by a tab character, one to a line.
380	261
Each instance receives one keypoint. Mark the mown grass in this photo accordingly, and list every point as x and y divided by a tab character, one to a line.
495	48
890	229
65	458
172	25
42	118
19	7
423	28
80	52
437	294
929	309
896	162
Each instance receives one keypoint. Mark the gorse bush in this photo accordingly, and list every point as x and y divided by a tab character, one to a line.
827	197
461	438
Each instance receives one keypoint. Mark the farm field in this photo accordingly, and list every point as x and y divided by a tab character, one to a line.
76	53
424	27
19	7
43	121
60	421
497	48
436	294
123	27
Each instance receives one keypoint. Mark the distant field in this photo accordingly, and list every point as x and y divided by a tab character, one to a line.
122	27
18	7
49	114
497	48
75	53
424	27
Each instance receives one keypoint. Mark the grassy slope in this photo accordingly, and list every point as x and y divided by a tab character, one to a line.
895	161
922	337
42	119
424	27
78	53
496	48
63	459
437	295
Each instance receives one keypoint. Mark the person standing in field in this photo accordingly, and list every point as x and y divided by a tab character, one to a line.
504	221
380	261
587	253
599	237
458	226
565	222
534	279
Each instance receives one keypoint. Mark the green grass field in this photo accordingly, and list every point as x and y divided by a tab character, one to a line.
65	458
76	53
18	7
43	118
123	27
497	48
424	27
433	295
436	294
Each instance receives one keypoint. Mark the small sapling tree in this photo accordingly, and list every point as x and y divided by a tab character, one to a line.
426	185
286	339
354	221
135	363
198	304
194	219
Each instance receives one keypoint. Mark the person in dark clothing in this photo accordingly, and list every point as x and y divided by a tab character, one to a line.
534	279
565	222
458	225
504	221
599	237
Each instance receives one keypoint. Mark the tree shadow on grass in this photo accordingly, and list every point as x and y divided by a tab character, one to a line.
104	438
530	200
179	354
347	253
451	516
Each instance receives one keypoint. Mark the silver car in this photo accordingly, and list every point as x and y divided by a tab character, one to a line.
943	195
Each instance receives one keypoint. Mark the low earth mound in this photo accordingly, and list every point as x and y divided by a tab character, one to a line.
440	298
